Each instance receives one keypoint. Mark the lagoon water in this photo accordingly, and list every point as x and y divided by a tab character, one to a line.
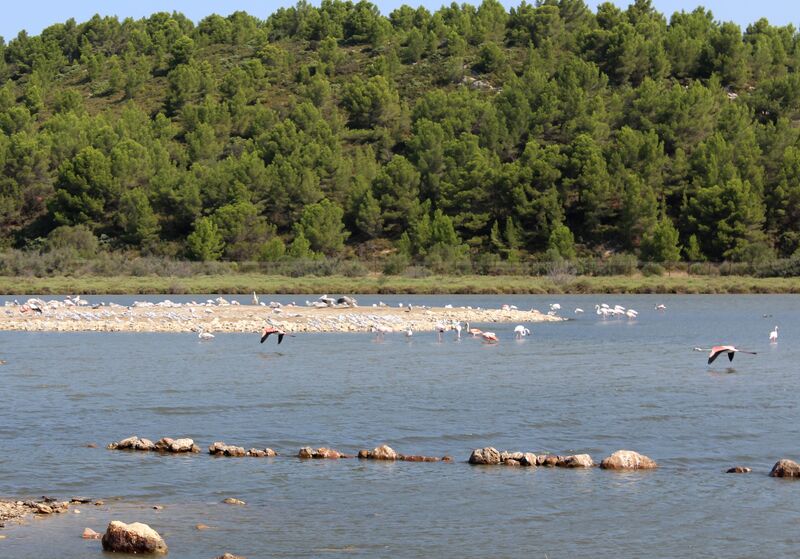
585	385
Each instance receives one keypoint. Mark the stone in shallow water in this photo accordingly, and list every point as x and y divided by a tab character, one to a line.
785	468
628	460
488	455
232	501
132	538
739	470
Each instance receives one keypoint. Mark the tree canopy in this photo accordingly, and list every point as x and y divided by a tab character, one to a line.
542	131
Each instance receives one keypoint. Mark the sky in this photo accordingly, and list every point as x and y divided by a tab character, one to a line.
35	15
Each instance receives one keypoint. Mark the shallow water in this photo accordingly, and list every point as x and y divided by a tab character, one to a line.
580	386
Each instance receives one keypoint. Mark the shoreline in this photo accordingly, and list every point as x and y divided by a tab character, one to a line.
221	316
387	285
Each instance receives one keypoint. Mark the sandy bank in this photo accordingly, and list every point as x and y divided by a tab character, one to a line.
216	317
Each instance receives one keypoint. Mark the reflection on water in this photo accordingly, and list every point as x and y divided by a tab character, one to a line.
585	385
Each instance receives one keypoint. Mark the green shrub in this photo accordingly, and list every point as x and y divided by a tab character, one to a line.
653	269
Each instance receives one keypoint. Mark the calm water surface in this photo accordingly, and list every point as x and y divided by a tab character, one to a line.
581	386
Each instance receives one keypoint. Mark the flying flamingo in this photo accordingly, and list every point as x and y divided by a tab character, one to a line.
718	350
520	331
268	330
773	336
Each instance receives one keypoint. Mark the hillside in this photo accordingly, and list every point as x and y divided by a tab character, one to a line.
473	132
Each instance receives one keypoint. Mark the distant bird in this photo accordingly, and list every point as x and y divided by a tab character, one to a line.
718	350
520	331
661	307
474	331
630	313
555	307
205	336
255	298
773	336
457	327
268	330
578	310
490	337
409	332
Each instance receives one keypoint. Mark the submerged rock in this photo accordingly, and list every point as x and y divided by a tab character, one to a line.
785	468
232	501
628	460
739	470
132	538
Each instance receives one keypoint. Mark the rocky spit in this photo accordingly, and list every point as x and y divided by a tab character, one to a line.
219	315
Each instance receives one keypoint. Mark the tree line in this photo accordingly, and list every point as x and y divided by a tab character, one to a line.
546	131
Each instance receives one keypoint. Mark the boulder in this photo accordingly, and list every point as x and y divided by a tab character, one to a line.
785	468
575	461
488	455
383	452
416	458
739	470
306	452
132	538
230	556
164	444
326	453
511	462
261	452
222	449
528	459
548	460
144	444
628	460
183	445
232	501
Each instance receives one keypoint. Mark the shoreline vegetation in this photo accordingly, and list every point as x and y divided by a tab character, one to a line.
245	283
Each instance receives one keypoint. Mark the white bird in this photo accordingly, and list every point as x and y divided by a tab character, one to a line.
578	310
630	313
205	335
520	331
661	307
555	307
409	332
773	336
457	327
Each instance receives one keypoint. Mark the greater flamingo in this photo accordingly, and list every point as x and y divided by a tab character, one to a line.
773	336
718	350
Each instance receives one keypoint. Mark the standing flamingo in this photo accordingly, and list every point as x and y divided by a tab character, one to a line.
773	336
520	331
490	337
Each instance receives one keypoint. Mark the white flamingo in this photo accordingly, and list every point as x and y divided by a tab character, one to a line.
205	336
773	336
520	331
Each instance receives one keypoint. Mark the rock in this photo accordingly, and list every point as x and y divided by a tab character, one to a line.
91	445
488	455
548	460
80	500
184	445
232	501
261	452
125	444
383	452
739	470
511	462
132	538
144	444
99	503
447	458
528	459
576	461
164	444
201	527
222	449
306	452
628	460
230	556
785	468
89	534
363	454
41	508
158	507
415	458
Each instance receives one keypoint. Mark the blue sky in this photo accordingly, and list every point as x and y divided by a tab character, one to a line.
35	15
